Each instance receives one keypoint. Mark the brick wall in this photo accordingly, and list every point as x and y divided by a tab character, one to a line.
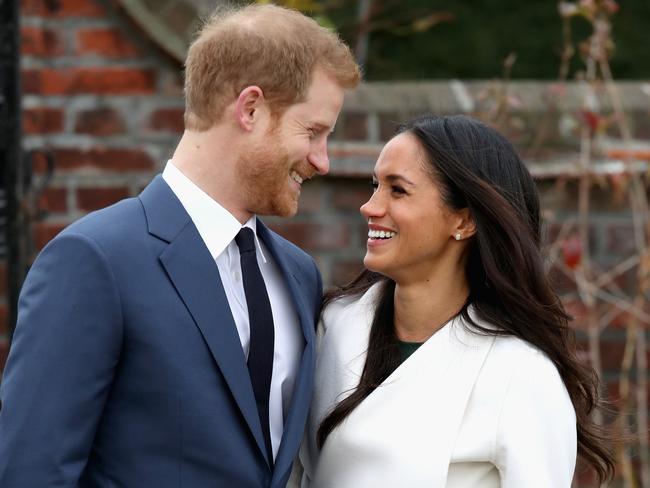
107	104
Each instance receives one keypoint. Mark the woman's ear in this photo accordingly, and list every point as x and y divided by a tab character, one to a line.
248	107
465	226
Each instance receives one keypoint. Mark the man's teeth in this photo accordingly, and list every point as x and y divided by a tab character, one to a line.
381	234
296	177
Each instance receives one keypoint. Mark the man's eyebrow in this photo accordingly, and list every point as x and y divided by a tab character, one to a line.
320	126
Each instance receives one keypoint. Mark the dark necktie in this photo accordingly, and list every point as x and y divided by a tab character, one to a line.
260	352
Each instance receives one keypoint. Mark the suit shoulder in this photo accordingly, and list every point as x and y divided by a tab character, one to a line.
117	225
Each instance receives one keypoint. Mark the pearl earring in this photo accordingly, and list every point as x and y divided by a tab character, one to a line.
457	236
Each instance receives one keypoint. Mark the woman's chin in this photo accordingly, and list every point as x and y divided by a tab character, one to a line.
374	264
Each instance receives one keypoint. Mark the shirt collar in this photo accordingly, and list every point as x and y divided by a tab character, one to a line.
216	225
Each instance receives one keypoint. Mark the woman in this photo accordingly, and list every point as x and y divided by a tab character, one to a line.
449	361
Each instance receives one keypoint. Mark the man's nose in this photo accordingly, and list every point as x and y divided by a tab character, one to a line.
319	159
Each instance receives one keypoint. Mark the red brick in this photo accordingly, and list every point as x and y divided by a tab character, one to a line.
99	122
311	198
54	200
578	311
62	8
551	234
89	199
101	81
344	271
104	159
168	119
352	199
622	321
354	152
110	43
45	232
42	120
560	282
611	353
39	161
642	154
388	123
362	233
170	83
620	239
310	236
40	42
355	126
4	351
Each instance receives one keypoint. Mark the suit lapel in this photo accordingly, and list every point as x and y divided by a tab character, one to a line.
297	415
195	276
304	312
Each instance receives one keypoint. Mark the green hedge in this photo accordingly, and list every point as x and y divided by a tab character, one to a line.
481	33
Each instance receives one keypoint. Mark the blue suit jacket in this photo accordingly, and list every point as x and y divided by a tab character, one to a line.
126	369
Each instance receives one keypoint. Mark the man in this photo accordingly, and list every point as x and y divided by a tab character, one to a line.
168	340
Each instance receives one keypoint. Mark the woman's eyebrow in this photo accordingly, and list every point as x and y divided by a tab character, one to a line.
392	178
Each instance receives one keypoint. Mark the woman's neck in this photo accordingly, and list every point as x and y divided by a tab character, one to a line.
422	308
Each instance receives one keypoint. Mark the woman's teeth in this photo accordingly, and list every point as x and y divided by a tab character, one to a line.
381	234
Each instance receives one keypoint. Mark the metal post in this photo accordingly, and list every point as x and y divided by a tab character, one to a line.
10	151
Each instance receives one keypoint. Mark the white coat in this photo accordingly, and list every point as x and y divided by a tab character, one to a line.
464	411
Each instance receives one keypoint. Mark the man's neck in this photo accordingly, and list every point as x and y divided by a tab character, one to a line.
209	164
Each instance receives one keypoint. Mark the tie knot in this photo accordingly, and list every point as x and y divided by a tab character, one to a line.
245	240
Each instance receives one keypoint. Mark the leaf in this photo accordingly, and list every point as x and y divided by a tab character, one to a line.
572	251
592	120
423	24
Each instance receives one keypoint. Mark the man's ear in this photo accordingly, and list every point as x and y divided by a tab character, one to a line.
465	226
248	107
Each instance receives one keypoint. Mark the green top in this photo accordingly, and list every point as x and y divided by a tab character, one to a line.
407	348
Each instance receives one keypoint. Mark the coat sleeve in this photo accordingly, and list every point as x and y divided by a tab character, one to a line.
536	437
61	364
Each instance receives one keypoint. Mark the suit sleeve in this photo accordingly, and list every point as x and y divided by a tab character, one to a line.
60	367
536	438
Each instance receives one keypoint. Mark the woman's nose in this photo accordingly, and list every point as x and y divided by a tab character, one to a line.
373	207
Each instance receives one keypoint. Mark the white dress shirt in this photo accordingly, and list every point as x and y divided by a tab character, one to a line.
218	228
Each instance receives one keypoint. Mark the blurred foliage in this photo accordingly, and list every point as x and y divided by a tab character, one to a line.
469	39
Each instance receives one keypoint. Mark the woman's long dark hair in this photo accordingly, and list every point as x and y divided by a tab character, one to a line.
477	168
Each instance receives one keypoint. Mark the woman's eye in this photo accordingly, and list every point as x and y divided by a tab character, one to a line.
398	189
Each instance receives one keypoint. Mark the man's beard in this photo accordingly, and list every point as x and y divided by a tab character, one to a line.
264	173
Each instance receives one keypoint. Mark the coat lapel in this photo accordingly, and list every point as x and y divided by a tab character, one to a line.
297	415
195	276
